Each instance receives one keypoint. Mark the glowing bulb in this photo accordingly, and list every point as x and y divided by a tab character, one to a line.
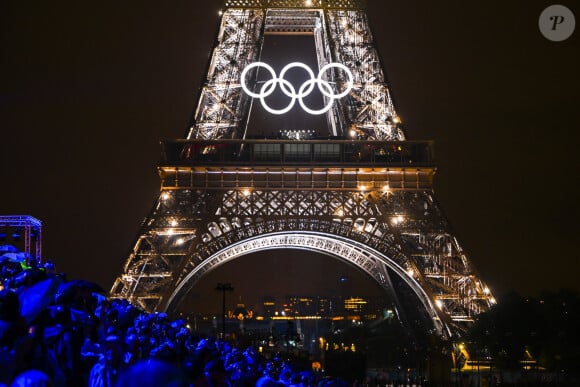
165	196
396	120
397	219
386	188
353	133
246	192
439	304
180	241
308	3
411	272
174	223
170	231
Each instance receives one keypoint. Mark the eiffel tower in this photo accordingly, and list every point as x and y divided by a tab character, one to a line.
358	190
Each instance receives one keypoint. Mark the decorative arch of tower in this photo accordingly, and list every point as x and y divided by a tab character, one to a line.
363	194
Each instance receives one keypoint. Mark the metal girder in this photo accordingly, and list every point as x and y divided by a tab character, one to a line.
288	4
386	208
404	229
370	107
27	229
223	106
339	35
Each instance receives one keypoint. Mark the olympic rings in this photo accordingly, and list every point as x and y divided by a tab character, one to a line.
303	91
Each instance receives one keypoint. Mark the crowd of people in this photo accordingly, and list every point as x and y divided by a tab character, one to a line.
56	332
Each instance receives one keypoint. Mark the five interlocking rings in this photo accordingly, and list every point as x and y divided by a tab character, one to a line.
305	89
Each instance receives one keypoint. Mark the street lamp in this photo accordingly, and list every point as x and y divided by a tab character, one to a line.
225	287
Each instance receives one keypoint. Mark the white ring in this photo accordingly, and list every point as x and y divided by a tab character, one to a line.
349	82
303	66
243	79
324	109
281	81
303	91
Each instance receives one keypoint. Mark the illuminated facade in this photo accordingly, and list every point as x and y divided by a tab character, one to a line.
363	194
269	307
325	307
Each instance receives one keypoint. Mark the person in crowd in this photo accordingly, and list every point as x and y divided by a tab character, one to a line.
32	378
152	373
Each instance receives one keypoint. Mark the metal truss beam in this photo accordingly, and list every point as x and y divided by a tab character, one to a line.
191	229
296	4
23	228
340	33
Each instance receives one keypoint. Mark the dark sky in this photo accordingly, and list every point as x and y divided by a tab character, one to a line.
87	90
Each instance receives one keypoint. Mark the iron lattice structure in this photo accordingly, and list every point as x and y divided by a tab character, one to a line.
23	231
369	202
341	33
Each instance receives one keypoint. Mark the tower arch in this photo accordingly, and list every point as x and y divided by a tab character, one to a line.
372	262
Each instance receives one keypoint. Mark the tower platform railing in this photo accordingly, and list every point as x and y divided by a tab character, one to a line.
280	152
288	4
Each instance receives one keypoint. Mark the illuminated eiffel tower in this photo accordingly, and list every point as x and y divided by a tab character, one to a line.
357	190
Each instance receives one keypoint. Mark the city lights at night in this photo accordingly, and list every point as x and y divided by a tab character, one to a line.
382	191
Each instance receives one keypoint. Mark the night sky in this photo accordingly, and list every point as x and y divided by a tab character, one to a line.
87	91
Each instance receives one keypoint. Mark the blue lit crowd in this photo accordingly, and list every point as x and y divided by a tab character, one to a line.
56	332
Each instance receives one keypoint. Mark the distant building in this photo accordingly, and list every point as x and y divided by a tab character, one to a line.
241	312
355	306
324	307
269	306
302	305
